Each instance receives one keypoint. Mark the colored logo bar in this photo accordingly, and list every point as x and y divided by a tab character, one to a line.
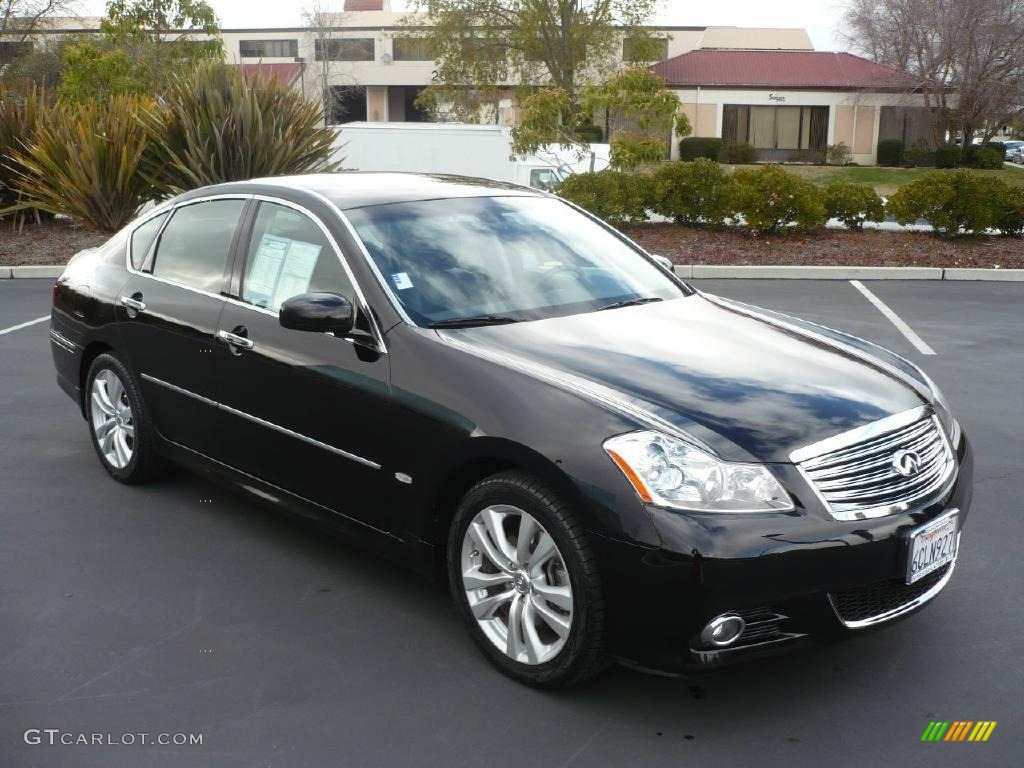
959	730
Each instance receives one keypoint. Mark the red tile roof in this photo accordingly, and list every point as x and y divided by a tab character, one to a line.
364	5
781	69
285	73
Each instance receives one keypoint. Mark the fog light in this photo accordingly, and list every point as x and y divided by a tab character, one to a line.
723	630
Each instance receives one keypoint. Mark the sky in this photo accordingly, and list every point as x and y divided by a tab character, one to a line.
820	19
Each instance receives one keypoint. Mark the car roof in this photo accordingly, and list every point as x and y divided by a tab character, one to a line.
358	189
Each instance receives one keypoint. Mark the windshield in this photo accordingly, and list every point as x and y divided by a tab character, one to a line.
503	259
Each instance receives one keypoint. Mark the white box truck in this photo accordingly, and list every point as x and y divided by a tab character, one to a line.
483	151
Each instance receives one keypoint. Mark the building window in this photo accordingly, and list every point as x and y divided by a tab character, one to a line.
644	49
344	49
268	49
411	49
776	127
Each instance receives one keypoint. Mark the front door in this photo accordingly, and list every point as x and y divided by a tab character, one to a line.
168	313
304	411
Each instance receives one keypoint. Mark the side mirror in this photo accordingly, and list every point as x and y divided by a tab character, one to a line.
664	263
318	312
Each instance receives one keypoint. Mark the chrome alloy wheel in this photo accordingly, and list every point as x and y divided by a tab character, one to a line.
517	584
112	420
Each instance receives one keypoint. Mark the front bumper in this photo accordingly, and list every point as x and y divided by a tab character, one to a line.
792	577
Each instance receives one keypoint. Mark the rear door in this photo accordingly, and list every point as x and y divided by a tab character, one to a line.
307	412
168	314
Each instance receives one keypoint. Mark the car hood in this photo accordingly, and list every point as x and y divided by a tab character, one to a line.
746	383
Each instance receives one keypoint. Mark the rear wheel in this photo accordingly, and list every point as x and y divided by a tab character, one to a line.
526	582
119	424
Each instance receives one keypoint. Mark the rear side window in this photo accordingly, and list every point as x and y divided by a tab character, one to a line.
195	245
142	239
288	255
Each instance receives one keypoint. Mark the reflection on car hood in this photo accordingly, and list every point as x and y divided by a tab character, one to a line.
748	385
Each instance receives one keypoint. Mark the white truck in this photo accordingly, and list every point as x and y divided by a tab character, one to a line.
482	151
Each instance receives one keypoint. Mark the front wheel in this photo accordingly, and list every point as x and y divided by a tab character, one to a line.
526	582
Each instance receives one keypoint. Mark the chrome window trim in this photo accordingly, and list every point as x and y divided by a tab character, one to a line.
263	422
893	613
171	209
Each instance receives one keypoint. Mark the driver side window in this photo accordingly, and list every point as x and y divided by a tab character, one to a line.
289	254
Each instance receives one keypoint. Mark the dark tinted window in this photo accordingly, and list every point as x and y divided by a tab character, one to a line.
257	49
195	245
344	49
143	237
288	255
411	49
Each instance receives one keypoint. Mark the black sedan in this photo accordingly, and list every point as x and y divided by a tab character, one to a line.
488	384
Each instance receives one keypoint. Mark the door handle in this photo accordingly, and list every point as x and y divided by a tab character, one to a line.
133	302
234	340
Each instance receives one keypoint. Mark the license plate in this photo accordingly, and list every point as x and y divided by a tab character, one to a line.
931	547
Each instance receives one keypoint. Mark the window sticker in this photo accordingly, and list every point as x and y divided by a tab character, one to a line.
401	281
281	268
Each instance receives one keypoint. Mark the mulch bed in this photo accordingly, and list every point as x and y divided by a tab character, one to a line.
51	242
870	248
57	240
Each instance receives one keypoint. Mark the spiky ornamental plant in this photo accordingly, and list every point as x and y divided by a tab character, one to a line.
84	161
213	126
22	109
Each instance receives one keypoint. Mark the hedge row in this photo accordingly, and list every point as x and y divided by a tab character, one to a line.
894	153
771	199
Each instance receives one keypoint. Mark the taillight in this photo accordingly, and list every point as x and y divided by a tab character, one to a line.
55	293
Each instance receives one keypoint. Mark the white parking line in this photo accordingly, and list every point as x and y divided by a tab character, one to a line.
895	319
19	326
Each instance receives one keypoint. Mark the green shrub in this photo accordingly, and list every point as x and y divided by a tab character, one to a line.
917	154
771	199
853	204
953	202
84	162
890	152
988	159
212	126
998	146
737	152
590	133
693	147
947	156
698	192
1011	211
617	198
838	154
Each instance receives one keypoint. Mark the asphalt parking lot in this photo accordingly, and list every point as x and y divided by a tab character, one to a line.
130	610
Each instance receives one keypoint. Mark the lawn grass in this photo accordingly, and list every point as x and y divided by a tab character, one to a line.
884	180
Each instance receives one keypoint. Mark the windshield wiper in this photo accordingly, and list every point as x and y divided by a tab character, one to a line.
630	302
469	322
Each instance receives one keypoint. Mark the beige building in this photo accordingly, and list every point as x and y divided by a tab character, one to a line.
793	105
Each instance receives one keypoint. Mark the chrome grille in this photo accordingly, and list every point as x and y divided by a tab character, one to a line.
856	477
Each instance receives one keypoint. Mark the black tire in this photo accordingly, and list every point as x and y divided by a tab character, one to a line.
583	656
145	463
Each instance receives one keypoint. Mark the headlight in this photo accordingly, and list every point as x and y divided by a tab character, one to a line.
670	473
942	410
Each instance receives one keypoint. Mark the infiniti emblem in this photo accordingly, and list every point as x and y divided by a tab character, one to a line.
906	463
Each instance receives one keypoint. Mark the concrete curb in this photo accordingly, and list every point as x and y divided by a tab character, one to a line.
34	271
775	272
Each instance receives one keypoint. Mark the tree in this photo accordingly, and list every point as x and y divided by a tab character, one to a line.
483	46
19	20
969	55
92	72
162	35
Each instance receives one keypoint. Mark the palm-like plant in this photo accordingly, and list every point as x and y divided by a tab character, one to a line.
84	162
22	109
213	126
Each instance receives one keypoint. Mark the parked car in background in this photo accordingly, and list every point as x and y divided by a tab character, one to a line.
1017	156
486	382
1012	148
